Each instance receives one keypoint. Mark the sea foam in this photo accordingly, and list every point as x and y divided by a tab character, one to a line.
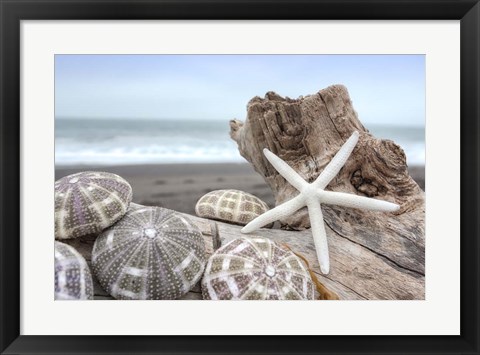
135	141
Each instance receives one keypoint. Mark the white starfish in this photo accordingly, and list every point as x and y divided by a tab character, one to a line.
311	195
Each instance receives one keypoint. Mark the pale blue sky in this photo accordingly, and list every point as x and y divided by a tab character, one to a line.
385	89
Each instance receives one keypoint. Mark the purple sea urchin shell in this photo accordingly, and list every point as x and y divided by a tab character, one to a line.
232	206
256	269
151	253
73	280
88	202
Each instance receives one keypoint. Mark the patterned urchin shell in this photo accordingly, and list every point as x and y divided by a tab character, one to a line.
151	253
73	280
231	206
256	269
88	202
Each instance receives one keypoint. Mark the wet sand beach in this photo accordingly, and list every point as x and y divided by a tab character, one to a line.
179	186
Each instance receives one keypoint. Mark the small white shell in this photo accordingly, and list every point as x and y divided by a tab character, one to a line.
231	206
256	269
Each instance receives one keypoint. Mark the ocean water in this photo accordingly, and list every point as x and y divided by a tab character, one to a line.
137	141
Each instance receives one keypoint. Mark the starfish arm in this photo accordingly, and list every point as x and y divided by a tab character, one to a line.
354	201
319	235
332	169
285	170
279	212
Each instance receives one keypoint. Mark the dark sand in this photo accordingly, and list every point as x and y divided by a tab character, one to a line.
179	186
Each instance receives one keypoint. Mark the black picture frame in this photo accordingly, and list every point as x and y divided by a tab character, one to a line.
14	11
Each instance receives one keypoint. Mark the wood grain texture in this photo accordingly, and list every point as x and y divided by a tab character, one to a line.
357	273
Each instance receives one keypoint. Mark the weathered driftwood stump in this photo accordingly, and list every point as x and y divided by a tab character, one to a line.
306	133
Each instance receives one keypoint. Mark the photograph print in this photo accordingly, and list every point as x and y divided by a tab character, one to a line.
239	177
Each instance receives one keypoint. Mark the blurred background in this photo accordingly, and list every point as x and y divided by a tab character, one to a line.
162	121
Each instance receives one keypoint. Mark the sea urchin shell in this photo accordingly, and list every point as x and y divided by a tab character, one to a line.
151	253
73	280
231	206
88	202
256	269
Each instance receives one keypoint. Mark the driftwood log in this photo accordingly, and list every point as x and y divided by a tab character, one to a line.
359	273
306	133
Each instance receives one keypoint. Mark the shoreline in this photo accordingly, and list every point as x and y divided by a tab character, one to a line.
179	186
